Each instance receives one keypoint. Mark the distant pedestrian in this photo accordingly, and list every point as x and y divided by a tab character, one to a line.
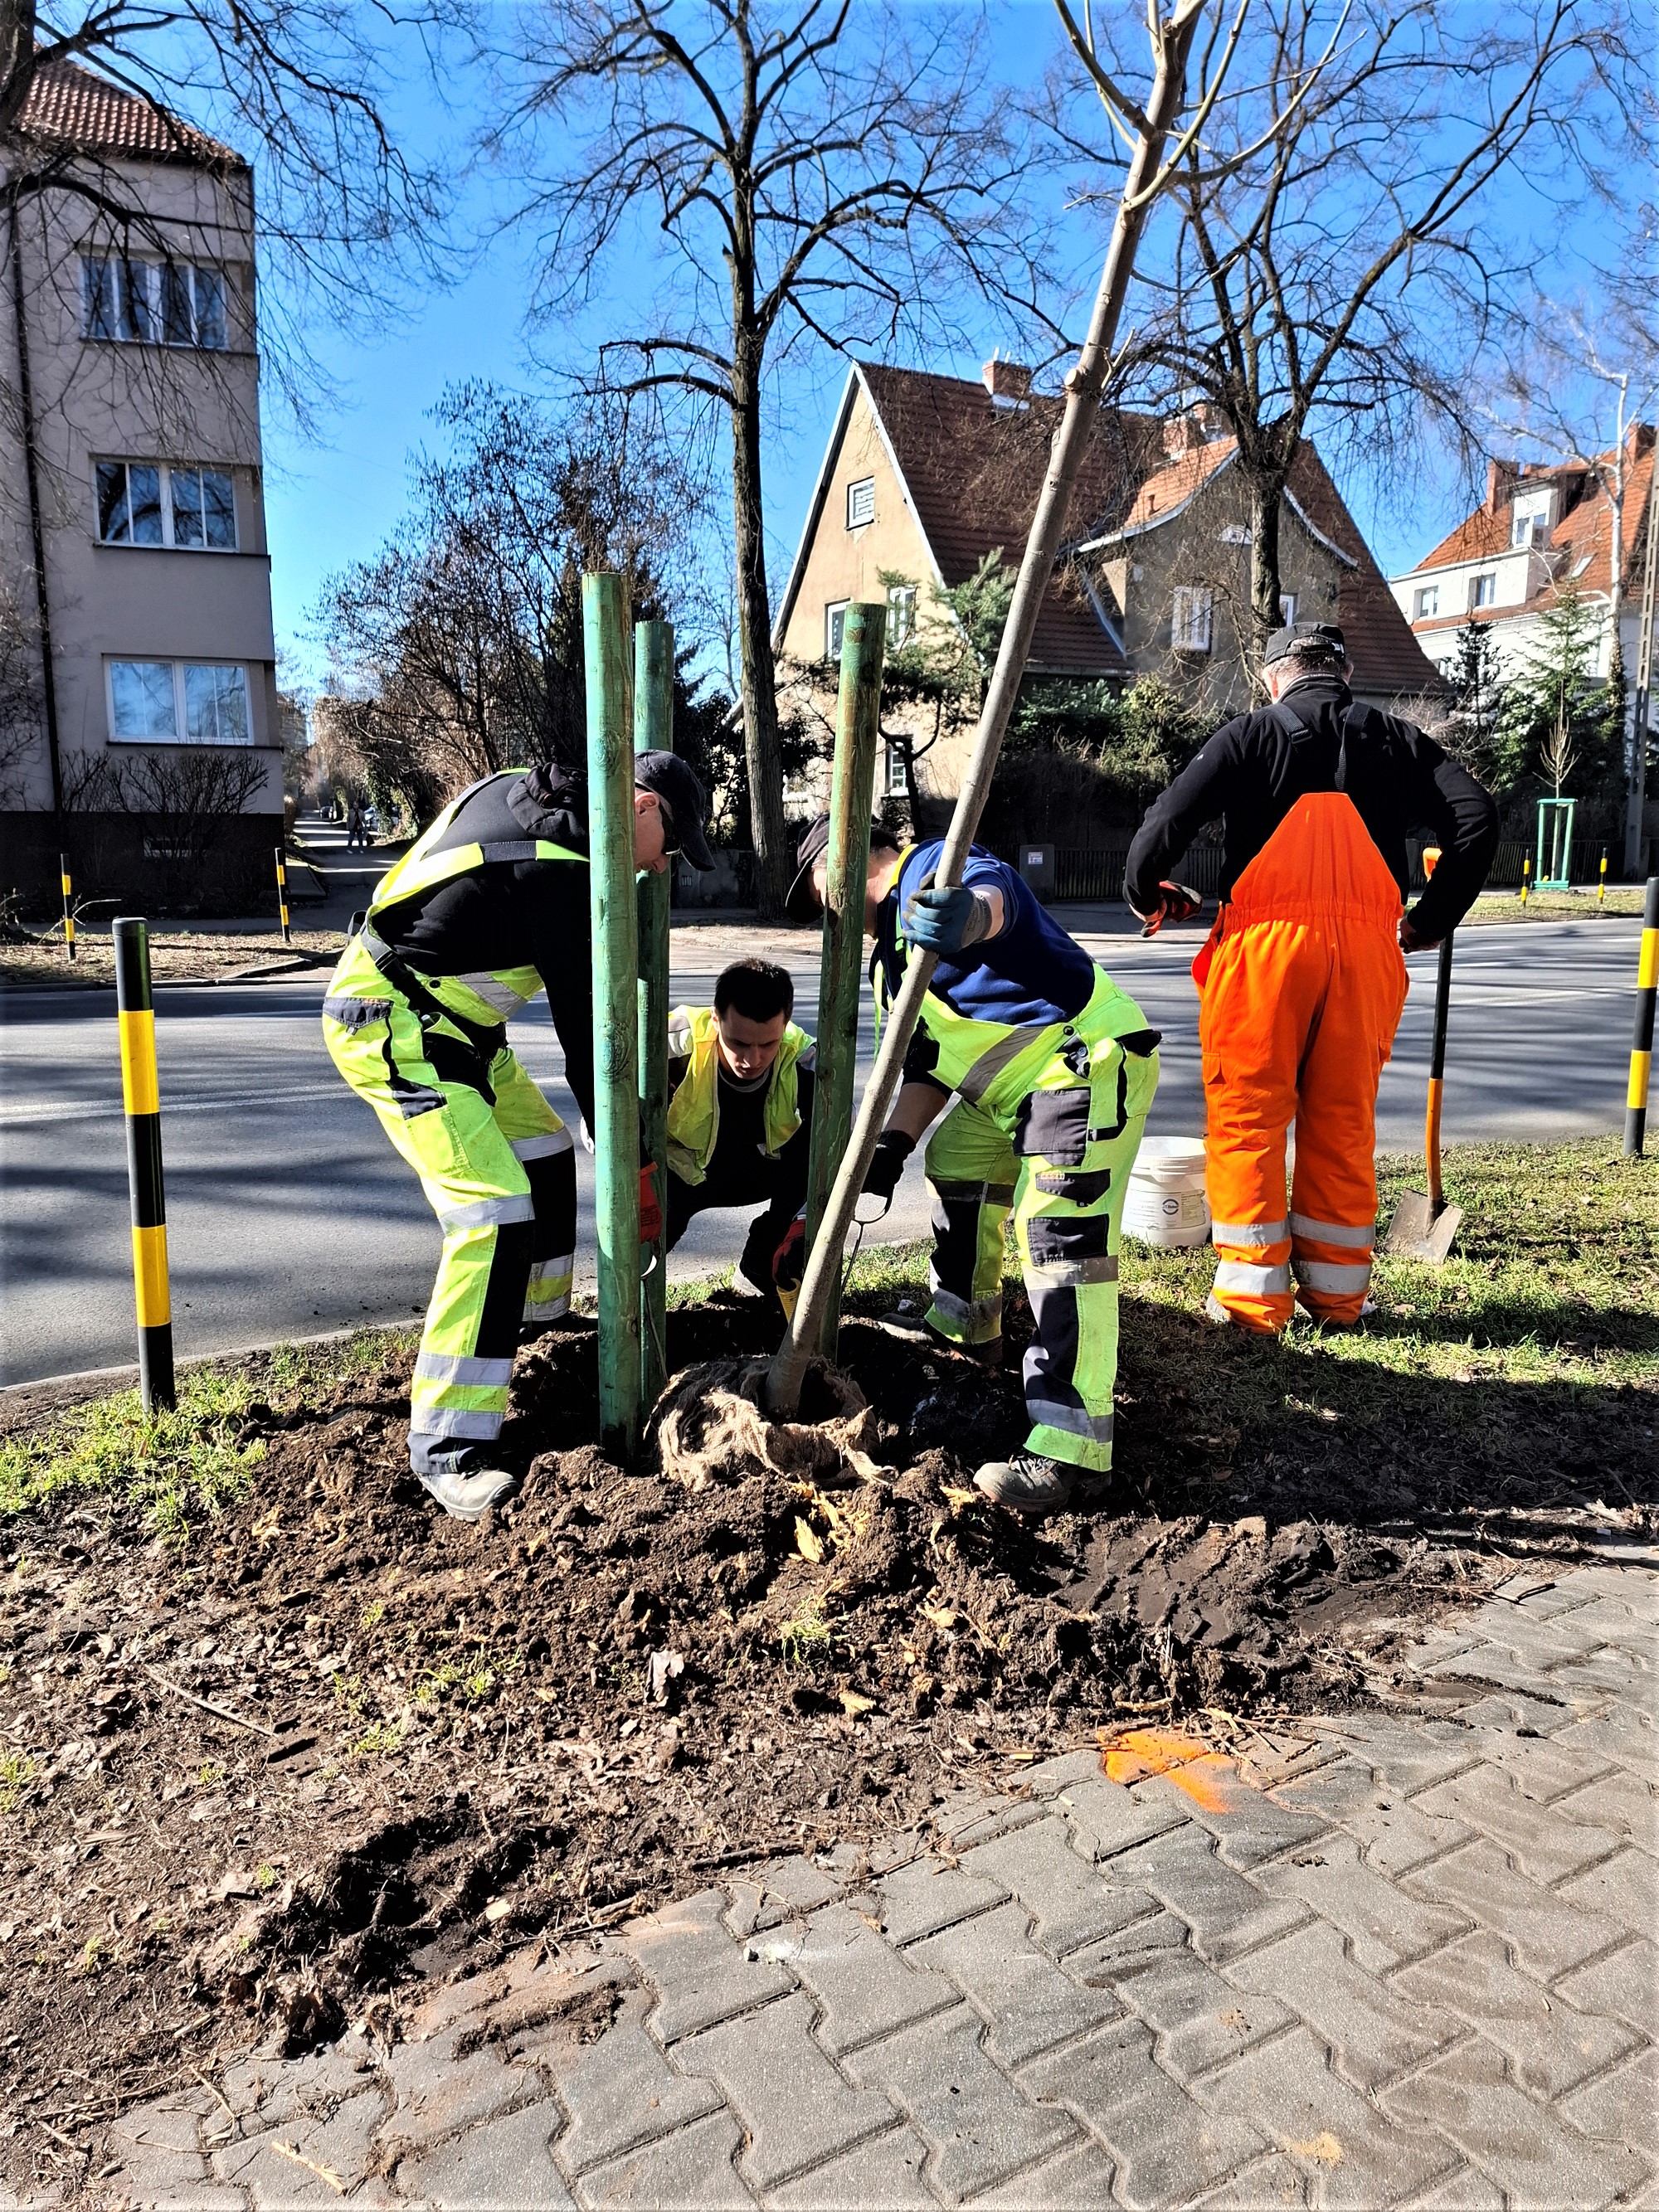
356	836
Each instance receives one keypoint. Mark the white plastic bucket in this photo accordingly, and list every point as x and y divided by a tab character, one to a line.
1165	1204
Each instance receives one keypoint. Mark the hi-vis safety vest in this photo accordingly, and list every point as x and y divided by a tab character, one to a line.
976	1057
694	1111
488	998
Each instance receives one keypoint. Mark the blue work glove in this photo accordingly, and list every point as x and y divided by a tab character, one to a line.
947	921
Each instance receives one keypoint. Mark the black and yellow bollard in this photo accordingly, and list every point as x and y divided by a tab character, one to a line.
68	904
1526	876
142	1098
1641	1050
282	894
1601	886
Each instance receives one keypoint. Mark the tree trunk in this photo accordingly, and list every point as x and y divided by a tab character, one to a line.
759	683
1264	495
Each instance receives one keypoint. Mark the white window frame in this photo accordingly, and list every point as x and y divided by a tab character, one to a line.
1428	602
901	616
1286	610
1483	590
895	784
1192	618
180	672
1529	518
861	495
113	284
833	613
170	541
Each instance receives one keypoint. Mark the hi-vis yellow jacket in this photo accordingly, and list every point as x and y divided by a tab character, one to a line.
694	1111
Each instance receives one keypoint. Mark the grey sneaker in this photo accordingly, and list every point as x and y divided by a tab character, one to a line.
1027	1483
467	1493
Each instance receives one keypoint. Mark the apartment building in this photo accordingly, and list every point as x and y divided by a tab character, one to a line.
147	741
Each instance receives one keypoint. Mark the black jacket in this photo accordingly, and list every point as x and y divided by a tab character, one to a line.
1255	768
514	913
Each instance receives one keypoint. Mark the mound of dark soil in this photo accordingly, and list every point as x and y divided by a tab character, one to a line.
338	1741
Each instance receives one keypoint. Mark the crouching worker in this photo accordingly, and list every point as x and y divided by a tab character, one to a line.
740	1083
1302	982
1053	1069
488	907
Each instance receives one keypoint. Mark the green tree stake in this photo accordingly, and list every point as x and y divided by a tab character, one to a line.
654	732
858	733
616	1008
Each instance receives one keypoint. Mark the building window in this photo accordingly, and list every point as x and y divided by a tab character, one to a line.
141	503
860	502
1483	590
1287	609
834	620
1189	629
896	786
1529	518
154	302
178	702
1428	602
901	615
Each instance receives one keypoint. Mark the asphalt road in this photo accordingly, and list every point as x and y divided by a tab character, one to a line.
290	1214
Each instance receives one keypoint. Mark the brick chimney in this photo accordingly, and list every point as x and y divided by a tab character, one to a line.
1193	426
1500	480
1006	379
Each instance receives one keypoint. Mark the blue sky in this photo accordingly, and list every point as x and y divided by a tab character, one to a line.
332	500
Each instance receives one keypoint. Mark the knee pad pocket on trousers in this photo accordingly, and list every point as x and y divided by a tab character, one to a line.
1080	1186
1054	1125
1057	1241
452	1059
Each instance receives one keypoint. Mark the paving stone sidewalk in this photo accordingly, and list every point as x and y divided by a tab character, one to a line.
1408	1961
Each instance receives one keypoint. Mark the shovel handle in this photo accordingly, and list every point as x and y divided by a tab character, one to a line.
1437	1076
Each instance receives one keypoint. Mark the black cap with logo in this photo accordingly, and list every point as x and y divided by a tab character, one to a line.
1318	639
671	779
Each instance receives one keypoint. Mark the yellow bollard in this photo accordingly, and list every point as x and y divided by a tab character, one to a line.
282	894
1602	888
1641	1051
1526	876
68	904
141	1096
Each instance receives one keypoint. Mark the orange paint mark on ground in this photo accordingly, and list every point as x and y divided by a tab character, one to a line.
1205	1777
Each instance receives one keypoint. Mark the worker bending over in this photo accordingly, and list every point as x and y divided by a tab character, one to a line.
1302	980
740	1083
488	907
1053	1069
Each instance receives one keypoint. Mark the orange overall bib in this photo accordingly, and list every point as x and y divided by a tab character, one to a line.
1303	991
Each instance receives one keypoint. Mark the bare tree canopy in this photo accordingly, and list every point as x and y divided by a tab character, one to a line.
791	177
457	649
1346	275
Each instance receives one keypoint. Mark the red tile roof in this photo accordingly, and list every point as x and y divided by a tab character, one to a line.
67	104
975	468
1580	546
1386	656
1162	492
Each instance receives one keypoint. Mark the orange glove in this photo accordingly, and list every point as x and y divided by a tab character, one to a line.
650	1204
789	1261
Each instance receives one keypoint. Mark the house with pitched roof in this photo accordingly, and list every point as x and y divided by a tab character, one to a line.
132	509
923	475
1542	526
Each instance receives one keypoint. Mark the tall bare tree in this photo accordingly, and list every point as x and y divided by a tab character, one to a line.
1347	275
794	175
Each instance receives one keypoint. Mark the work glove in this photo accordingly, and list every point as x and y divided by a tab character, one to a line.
881	1177
947	921
650	1204
1178	904
789	1264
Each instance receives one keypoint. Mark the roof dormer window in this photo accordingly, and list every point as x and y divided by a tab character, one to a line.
1529	517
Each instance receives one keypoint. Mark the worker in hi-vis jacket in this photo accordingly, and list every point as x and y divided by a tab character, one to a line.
1053	1068
488	907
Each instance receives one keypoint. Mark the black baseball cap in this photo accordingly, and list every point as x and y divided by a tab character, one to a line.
802	903
671	779
1320	637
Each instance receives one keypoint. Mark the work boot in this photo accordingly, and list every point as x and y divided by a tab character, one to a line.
465	1487
915	1329
1028	1483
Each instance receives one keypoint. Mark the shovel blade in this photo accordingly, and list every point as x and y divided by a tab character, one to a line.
1418	1232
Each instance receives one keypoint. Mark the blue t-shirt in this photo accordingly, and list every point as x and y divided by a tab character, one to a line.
1030	973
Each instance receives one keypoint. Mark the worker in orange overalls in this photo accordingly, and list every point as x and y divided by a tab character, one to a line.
1302	980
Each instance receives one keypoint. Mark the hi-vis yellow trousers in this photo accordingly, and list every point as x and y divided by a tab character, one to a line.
496	1164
